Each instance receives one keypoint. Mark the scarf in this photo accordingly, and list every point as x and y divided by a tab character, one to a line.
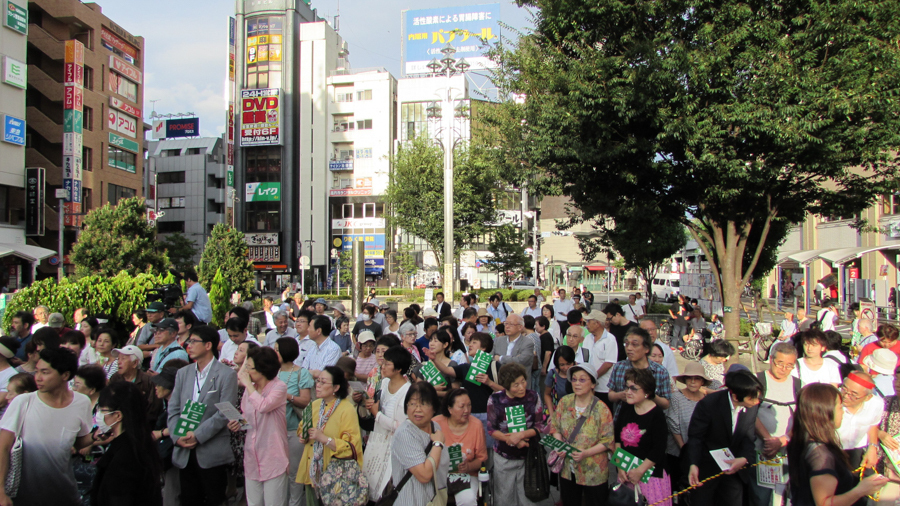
318	456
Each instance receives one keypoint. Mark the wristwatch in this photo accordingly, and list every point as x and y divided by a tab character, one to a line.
438	444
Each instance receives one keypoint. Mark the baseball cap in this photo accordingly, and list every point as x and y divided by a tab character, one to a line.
56	321
165	378
596	314
365	336
167	324
155	307
131	349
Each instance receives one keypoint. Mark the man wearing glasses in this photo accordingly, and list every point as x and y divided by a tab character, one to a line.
514	347
638	344
168	348
862	414
777	404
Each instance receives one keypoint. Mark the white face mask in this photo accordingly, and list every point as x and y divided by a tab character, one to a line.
366	317
102	428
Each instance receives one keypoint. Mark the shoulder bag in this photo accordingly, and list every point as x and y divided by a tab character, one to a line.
343	482
14	475
390	492
440	495
537	475
555	460
625	494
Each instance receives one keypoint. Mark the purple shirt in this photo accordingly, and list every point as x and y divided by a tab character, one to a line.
496	419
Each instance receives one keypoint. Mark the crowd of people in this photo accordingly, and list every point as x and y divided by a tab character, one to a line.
279	405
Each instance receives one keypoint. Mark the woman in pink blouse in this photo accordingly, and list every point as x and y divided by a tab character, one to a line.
266	446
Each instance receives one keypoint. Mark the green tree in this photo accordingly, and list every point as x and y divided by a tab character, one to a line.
508	254
407	266
415	193
219	298
117	238
227	250
180	249
726	115
641	238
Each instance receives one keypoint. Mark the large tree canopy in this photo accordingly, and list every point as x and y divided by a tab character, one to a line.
725	115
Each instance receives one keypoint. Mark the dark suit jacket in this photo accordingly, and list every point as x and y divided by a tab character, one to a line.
443	309
710	429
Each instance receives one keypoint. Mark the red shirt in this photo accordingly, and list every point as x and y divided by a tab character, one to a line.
871	347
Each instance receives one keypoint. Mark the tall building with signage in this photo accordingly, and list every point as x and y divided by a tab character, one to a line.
363	105
187	177
21	198
283	56
83	111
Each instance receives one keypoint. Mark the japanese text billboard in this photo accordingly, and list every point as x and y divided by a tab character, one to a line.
261	117
426	31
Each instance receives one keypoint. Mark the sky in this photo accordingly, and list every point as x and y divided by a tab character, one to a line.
186	45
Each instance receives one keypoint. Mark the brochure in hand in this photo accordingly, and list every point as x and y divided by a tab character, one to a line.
626	462
481	362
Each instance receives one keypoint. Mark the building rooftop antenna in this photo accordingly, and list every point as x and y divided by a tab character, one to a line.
337	18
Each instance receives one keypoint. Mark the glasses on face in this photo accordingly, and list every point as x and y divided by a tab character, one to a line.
323	382
633	388
580	380
849	394
194	341
416	405
783	365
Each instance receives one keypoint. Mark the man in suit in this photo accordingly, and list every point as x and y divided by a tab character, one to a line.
724	419
443	308
515	346
203	453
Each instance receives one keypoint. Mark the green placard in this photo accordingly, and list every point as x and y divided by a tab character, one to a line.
515	419
191	416
560	446
122	142
456	456
431	374
307	421
480	364
16	17
229	180
73	121
626	462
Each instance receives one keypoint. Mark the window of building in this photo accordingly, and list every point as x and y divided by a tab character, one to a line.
264	51
171	202
195	151
346	183
170	227
413	120
4	204
347	211
364	95
170	152
345	154
341	96
117	193
170	177
86	200
263	216
88	78
87	159
343	123
368	210
263	164
364	124
213	207
122	86
121	159
87	118
364	153
890	204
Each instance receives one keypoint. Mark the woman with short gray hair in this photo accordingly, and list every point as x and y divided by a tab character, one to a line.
408	336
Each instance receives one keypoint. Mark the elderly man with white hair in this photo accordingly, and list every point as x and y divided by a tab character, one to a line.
130	358
514	346
282	329
862	414
866	331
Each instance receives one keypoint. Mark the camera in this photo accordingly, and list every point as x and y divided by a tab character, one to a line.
169	294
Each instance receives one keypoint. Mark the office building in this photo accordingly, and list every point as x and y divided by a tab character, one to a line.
363	105
84	98
189	179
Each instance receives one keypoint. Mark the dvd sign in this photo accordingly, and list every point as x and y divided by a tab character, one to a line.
261	117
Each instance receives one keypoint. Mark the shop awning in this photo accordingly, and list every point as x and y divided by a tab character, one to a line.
28	252
596	268
844	255
805	256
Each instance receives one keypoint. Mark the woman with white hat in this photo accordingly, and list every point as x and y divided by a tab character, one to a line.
485	322
881	364
678	416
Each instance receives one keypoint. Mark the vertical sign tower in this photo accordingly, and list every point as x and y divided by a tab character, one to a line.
73	120
229	126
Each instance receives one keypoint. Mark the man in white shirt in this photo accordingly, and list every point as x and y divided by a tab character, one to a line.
865	329
301	326
533	309
633	311
862	415
539	296
282	329
325	352
604	352
236	334
827	316
498	309
640	300
561	308
269	312
669	361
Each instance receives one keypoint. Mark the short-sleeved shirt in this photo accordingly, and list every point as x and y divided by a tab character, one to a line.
478	394
295	381
170	352
819	460
407	451
871	347
854	427
828	373
342	340
547	345
202	307
48	435
643	436
633	312
617	380
603	351
374	327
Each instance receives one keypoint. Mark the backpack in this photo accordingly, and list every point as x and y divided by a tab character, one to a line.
817	325
844	367
761	376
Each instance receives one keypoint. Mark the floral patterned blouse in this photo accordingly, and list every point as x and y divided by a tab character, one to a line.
597	429
535	418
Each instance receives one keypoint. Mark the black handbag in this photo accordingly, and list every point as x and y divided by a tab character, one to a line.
623	494
537	475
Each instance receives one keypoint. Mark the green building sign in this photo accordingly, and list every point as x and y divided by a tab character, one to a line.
16	17
263	192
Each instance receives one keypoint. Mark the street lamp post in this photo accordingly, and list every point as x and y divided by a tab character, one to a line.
447	66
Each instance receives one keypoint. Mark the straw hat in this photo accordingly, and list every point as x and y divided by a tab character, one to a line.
882	361
693	369
482	312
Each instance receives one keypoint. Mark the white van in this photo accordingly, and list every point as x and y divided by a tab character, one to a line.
666	287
